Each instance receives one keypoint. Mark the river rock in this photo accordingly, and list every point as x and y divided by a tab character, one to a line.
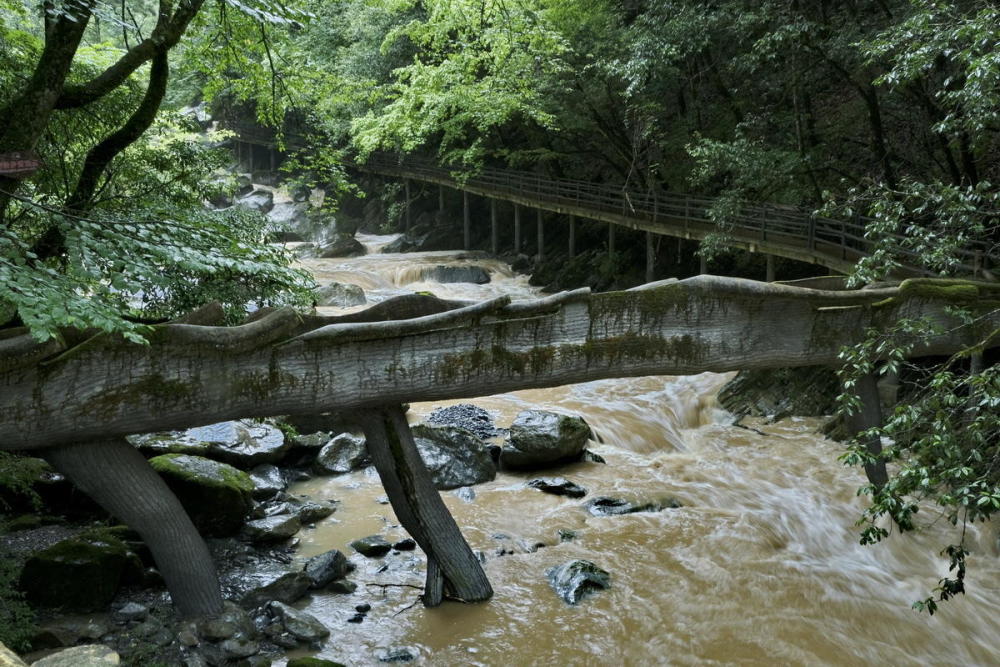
327	567
288	588
311	511
313	662
405	544
69	631
9	659
455	457
240	443
289	215
608	506
301	625
344	453
538	438
267	481
397	654
345	246
216	496
558	486
129	612
259	200
470	417
90	655
373	546
81	573
342	295
577	579
272	528
456	274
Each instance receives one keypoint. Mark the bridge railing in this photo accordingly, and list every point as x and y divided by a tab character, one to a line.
762	223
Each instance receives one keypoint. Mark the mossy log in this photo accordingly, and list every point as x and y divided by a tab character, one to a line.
288	364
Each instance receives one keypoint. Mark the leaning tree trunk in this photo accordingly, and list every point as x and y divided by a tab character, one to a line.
115	475
868	415
452	568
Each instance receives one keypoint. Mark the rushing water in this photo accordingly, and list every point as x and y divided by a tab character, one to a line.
761	565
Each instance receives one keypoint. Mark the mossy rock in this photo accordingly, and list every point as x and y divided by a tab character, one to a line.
216	495
82	573
313	662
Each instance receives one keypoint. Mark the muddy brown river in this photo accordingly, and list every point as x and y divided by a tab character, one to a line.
761	565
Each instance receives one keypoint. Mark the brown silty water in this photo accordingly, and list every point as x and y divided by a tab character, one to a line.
761	565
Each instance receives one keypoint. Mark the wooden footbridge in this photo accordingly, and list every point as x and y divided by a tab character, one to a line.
771	229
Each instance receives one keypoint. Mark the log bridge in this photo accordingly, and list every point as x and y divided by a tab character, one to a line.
73	399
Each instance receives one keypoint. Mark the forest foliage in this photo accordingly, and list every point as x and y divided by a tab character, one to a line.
883	108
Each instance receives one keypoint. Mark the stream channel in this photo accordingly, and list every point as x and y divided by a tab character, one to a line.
761	565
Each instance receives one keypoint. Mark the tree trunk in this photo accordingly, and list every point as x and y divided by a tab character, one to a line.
452	569
869	415
119	479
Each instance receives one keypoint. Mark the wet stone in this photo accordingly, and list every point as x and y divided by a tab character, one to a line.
577	579
286	588
327	567
397	654
363	608
342	586
470	417
301	625
407	544
272	529
539	438
373	546
466	493
342	454
356	618
267	481
91	655
608	506
558	486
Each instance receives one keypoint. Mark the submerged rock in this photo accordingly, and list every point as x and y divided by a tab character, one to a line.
608	506
577	579
397	654
455	457
558	486
342	454
373	546
456	274
538	438
215	495
342	295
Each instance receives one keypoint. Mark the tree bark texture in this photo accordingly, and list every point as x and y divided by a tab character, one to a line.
289	364
452	569
869	415
116	475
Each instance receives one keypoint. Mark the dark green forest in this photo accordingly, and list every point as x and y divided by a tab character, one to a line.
886	109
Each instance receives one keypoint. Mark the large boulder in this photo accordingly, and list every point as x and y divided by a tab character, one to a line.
577	579
345	246
539	438
454	456
344	453
242	443
81	573
216	495
468	416
289	216
259	200
342	295
90	655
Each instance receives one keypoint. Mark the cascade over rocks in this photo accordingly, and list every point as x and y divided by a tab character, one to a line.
455	457
539	438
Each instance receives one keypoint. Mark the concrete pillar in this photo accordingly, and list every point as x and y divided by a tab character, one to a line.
650	257
541	237
572	236
770	269
408	216
466	222
611	238
517	229
494	228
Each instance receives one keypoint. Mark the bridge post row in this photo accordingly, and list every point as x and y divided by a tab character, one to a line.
572	236
466	222
541	236
494	228
517	229
702	263
650	257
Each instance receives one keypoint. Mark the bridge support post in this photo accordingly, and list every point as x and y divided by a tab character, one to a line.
441	202
769	270
466	222
869	415
572	236
452	567
494	228
517	229
650	257
611	238
541	236
702	263
408	218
